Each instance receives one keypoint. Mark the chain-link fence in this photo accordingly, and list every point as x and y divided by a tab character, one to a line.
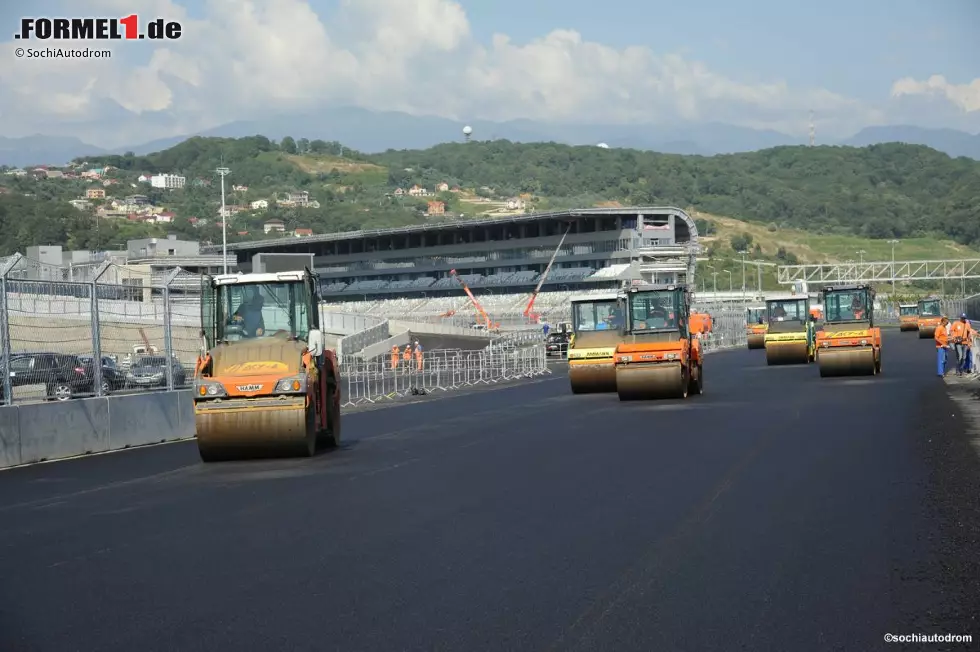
109	329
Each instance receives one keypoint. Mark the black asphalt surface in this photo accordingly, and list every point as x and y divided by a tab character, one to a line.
779	511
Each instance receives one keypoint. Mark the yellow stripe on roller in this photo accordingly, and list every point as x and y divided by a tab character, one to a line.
591	354
786	337
847	334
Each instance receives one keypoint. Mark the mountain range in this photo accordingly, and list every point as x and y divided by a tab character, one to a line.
370	132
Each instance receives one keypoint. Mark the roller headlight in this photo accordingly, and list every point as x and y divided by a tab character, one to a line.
671	356
293	385
864	342
210	389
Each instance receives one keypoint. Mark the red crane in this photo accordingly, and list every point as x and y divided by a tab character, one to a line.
534	295
476	304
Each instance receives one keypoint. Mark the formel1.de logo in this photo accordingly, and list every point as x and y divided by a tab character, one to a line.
129	28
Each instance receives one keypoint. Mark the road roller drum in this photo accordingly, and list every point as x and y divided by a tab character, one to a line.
848	362
591	378
650	382
782	353
256	432
756	340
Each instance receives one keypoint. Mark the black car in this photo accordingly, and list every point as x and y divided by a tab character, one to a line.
64	376
113	377
557	343
150	372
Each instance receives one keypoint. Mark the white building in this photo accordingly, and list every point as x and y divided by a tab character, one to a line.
168	181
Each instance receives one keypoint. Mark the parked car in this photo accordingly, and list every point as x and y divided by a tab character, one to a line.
150	372
64	376
557	344
113	377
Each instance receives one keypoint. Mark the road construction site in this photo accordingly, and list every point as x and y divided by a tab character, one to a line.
776	510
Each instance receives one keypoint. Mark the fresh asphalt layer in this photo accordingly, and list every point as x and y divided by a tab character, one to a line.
778	511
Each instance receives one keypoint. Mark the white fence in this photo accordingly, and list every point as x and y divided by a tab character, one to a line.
378	380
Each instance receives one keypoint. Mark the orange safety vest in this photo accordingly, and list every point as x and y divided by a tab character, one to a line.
418	358
407	356
942	339
394	357
958	330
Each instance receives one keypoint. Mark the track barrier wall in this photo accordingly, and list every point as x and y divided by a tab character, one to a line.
35	432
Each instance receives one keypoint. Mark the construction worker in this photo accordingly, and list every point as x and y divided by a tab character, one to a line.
942	346
407	356
394	357
970	334
418	355
958	333
545	327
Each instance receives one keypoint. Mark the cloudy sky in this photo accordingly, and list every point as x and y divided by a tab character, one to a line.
756	63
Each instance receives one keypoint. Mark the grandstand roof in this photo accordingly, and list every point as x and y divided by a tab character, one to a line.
441	226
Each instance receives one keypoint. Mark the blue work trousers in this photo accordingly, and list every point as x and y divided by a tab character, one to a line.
941	354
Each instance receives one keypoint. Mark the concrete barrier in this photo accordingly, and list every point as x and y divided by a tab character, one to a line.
57	430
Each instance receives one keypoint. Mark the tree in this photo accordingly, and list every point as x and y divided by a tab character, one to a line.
303	145
288	145
741	242
318	147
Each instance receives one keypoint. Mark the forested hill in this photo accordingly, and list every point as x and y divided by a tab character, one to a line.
881	191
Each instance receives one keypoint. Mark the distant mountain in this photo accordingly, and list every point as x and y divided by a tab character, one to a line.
40	150
372	132
953	142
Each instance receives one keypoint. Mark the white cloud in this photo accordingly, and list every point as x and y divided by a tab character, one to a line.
245	57
966	97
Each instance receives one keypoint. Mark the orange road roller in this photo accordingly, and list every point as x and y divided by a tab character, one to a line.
597	327
848	343
659	356
265	386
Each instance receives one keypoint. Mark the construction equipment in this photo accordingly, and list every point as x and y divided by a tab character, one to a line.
908	317
597	327
848	343
659	357
790	336
700	323
265	385
487	322
533	316
756	327
930	314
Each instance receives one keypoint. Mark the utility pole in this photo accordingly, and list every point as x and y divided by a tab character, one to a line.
224	219
861	255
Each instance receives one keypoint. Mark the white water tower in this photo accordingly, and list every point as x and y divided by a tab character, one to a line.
467	132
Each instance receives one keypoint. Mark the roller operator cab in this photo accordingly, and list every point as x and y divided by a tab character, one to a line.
908	317
659	357
265	385
756	326
597	327
790	337
930	314
849	343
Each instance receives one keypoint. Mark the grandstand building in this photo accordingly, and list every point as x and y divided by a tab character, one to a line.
603	248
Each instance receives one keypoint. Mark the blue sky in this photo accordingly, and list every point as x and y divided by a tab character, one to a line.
400	54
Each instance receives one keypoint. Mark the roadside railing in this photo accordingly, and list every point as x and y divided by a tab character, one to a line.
383	379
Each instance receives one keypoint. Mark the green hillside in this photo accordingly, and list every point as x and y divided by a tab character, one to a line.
800	203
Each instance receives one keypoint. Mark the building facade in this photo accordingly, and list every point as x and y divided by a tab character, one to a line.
600	247
167	181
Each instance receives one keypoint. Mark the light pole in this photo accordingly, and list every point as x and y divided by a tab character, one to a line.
714	277
742	254
893	243
730	284
224	219
861	255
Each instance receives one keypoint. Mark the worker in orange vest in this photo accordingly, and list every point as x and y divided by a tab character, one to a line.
407	356
959	332
942	346
394	356
418	355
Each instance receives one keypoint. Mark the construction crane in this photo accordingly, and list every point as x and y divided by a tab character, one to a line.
534	295
476	304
